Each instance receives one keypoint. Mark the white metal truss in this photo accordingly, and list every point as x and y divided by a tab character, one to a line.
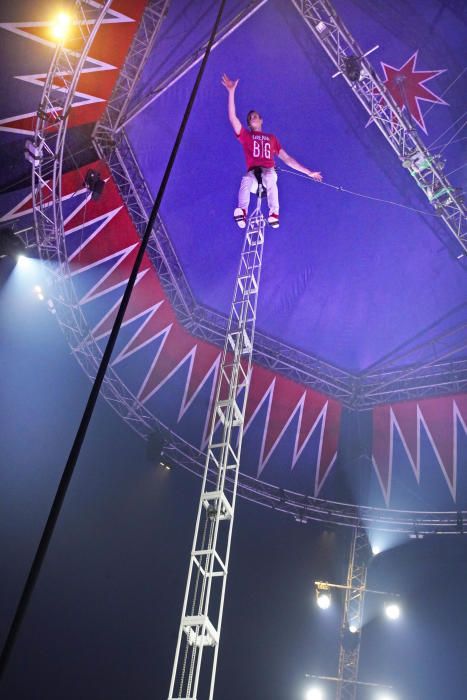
425	167
50	241
202	322
351	630
153	16
46	151
413	378
200	625
174	76
309	509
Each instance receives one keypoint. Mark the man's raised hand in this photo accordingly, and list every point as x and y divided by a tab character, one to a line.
229	84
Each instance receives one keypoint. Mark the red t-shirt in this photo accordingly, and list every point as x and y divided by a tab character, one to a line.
259	148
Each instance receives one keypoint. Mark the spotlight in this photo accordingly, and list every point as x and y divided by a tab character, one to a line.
392	610
61	26
350	638
11	244
94	183
353	68
322	29
375	550
314	693
39	293
323	596
32	153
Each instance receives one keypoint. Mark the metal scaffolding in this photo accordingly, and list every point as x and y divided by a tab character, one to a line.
426	168
47	154
441	371
351	629
200	625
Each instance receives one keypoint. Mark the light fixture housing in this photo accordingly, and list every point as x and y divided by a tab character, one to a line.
323	595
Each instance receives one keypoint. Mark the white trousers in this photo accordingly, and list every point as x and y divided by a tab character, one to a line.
249	184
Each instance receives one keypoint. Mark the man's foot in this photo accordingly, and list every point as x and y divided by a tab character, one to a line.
273	220
240	217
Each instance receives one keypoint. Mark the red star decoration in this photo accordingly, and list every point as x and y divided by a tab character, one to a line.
407	87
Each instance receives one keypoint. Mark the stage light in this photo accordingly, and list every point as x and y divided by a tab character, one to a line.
392	610
38	289
61	26
350	639
33	153
353	68
375	550
314	693
322	29
11	244
323	596
24	262
353	629
94	183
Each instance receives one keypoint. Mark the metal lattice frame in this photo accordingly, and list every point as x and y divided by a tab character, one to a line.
154	14
351	631
388	382
426	168
47	151
48	147
174	76
308	509
201	619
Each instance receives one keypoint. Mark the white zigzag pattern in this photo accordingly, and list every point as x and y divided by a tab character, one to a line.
113	17
269	397
416	463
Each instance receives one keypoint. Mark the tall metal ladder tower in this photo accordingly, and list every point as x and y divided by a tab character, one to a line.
200	625
351	630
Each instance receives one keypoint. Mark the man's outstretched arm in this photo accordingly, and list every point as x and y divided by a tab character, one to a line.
292	163
231	86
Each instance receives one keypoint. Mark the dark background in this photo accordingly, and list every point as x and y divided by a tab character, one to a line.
104	616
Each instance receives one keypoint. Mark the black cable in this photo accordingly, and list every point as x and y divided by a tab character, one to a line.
80	435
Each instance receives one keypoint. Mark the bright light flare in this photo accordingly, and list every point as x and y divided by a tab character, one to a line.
323	600
38	292
23	260
375	549
353	629
392	611
61	26
314	694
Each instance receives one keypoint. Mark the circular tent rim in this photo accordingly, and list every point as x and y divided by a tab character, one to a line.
49	225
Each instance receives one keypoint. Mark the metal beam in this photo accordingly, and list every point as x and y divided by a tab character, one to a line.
425	167
192	60
200	625
358	391
351	628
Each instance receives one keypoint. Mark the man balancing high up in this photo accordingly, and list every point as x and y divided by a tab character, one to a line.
260	149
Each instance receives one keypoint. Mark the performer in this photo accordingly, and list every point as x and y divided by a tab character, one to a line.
260	149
